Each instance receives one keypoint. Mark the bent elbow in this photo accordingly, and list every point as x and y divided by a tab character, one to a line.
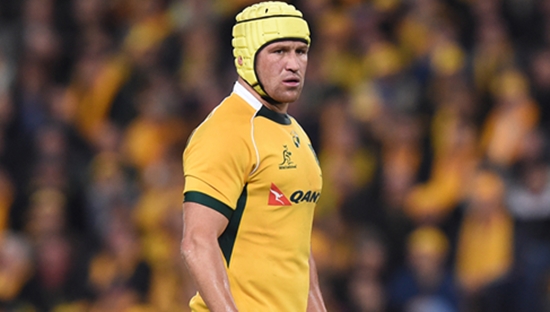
187	247
192	246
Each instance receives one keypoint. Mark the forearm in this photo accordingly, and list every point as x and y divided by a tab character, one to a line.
315	301
206	267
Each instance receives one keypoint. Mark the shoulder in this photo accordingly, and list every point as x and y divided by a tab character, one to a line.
299	129
296	124
232	117
225	134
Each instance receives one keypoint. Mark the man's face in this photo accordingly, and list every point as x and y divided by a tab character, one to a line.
281	68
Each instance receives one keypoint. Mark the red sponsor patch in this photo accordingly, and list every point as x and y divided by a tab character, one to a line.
277	198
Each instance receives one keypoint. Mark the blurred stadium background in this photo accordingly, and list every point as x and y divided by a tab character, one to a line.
430	119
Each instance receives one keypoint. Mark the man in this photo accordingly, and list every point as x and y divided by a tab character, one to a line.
252	178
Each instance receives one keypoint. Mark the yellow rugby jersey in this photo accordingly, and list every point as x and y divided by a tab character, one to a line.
258	168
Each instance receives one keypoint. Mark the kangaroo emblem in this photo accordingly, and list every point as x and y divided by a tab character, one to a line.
277	196
286	156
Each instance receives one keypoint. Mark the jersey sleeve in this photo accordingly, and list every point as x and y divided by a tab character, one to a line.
217	162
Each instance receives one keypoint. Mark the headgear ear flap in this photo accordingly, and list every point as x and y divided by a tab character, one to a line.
259	25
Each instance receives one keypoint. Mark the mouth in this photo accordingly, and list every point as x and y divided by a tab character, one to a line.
291	82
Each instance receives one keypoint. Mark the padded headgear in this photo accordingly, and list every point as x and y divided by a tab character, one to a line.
257	26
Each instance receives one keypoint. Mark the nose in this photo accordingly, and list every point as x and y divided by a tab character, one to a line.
293	62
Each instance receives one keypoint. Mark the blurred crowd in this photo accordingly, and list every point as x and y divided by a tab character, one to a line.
430	119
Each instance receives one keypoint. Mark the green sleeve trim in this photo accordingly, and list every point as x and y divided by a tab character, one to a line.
208	201
229	236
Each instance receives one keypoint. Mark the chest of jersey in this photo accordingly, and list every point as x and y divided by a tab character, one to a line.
288	173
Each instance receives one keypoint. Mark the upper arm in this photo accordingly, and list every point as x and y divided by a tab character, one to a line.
200	221
216	166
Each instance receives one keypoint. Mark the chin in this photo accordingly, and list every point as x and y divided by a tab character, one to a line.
288	97
286	100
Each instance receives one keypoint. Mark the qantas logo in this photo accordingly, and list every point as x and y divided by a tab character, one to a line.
301	196
277	198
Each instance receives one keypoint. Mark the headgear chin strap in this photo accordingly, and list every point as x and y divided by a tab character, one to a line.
257	26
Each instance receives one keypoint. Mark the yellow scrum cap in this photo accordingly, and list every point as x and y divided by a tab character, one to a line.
260	24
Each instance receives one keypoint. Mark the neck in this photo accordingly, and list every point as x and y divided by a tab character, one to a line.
279	108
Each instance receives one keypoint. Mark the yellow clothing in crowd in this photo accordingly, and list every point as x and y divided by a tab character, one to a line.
485	246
